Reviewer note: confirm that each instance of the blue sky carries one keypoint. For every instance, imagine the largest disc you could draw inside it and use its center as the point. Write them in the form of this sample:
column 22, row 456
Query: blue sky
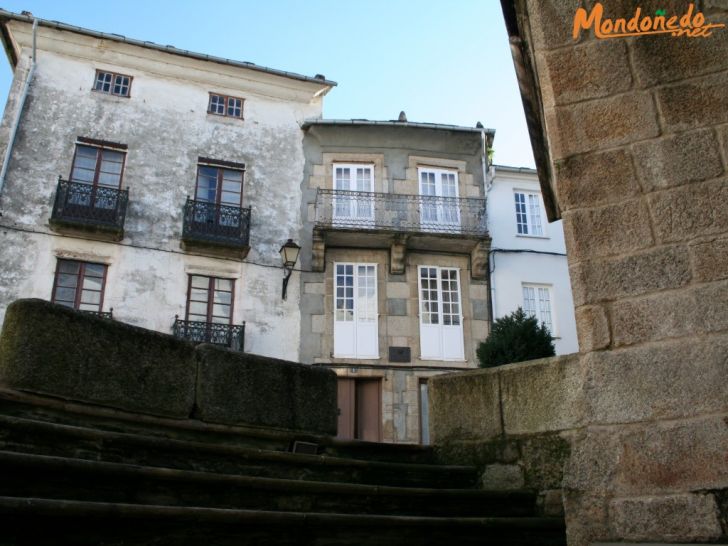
column 440, row 62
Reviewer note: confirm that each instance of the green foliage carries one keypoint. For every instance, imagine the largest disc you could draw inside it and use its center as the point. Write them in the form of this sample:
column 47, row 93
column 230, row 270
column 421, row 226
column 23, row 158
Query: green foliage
column 515, row 338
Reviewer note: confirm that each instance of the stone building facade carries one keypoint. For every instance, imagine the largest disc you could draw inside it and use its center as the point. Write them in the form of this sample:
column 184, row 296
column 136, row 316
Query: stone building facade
column 395, row 214
column 154, row 181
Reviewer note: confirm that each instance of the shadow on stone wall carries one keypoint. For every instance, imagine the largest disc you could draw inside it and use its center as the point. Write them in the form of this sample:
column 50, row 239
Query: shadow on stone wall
column 52, row 350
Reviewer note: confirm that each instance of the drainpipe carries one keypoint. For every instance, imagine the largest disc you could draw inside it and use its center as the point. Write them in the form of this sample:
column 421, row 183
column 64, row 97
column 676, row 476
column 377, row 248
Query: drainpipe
column 19, row 112
column 487, row 185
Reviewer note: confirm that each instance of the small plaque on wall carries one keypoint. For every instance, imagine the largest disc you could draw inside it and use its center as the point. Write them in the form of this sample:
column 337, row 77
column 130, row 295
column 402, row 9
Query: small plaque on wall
column 400, row 354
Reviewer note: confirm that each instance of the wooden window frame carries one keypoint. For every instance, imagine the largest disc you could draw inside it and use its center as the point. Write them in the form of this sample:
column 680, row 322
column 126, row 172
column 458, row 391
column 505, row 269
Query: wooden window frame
column 220, row 165
column 227, row 99
column 210, row 296
column 79, row 282
column 99, row 145
column 114, row 75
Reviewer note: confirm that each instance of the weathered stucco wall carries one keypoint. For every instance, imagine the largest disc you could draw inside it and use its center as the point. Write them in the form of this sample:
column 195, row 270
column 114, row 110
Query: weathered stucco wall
column 166, row 128
column 637, row 133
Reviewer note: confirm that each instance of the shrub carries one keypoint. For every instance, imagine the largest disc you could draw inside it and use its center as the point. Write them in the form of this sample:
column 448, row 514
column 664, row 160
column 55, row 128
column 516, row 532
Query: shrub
column 515, row 338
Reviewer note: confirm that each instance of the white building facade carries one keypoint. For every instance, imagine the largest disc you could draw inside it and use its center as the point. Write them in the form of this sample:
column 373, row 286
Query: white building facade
column 528, row 256
column 155, row 182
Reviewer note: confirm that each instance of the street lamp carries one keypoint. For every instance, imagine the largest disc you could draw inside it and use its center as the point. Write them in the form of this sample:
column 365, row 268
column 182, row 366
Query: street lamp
column 289, row 254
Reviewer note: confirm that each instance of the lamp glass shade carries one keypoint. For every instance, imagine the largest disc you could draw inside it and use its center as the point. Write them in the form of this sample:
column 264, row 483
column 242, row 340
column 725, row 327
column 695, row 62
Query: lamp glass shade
column 289, row 253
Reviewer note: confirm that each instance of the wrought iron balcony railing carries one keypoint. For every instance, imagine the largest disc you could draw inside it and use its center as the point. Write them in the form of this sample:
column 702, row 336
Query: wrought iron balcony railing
column 217, row 224
column 354, row 210
column 232, row 336
column 101, row 314
column 89, row 205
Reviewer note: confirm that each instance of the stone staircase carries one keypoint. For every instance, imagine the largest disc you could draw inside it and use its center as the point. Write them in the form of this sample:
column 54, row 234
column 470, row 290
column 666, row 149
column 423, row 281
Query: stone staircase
column 85, row 475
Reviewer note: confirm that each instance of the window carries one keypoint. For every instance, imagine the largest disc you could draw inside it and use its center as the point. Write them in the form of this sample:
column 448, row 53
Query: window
column 441, row 329
column 528, row 213
column 79, row 285
column 219, row 182
column 98, row 163
column 112, row 84
column 355, row 311
column 439, row 188
column 350, row 206
column 210, row 299
column 222, row 105
column 537, row 303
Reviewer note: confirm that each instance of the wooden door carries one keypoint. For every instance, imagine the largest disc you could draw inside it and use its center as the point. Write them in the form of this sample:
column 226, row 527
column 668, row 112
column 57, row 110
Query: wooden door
column 360, row 409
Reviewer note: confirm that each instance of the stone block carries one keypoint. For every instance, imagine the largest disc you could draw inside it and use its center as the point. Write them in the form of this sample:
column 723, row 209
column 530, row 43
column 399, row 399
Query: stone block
column 312, row 304
column 676, row 160
column 398, row 290
column 658, row 458
column 397, row 307
column 476, row 390
column 480, row 309
column 313, row 288
column 543, row 457
column 50, row 349
column 541, row 396
column 686, row 517
column 552, row 21
column 478, row 291
column 612, row 229
column 674, row 379
column 694, row 103
column 710, row 260
column 236, row 388
column 690, row 211
column 552, row 503
column 502, row 477
column 318, row 324
column 573, row 74
column 601, row 123
column 688, row 312
column 612, row 279
column 658, row 61
column 595, row 179
column 592, row 327
column 399, row 326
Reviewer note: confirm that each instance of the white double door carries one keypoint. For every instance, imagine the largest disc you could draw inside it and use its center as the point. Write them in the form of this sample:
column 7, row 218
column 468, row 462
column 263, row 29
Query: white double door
column 356, row 333
column 441, row 320
column 439, row 188
column 354, row 201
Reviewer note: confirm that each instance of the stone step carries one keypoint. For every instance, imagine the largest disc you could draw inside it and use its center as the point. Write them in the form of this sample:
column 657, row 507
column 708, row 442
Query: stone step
column 46, row 522
column 42, row 476
column 21, row 434
column 43, row 408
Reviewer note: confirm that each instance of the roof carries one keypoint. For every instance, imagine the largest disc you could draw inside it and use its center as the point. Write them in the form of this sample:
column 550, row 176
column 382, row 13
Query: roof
column 6, row 16
column 508, row 169
column 365, row 122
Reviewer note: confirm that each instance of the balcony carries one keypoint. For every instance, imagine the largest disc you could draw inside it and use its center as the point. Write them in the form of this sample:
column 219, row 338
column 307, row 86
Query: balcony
column 226, row 335
column 91, row 209
column 400, row 223
column 216, row 229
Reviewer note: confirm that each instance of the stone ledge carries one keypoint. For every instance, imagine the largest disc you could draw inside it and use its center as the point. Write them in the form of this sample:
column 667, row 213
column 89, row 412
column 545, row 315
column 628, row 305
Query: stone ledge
column 52, row 350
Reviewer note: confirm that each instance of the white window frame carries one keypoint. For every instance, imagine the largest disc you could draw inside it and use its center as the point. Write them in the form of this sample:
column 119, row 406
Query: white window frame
column 359, row 322
column 440, row 214
column 538, row 311
column 529, row 214
column 353, row 209
column 439, row 329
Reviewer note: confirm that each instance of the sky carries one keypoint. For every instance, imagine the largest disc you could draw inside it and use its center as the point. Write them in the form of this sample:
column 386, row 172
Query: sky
column 440, row 62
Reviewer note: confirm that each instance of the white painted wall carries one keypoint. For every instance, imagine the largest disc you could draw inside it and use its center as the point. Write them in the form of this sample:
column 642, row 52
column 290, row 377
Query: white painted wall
column 512, row 267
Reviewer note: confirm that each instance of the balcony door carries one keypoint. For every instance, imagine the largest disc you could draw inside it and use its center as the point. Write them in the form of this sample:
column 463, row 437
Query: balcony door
column 218, row 196
column 441, row 321
column 439, row 189
column 356, row 333
column 354, row 199
column 95, row 179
